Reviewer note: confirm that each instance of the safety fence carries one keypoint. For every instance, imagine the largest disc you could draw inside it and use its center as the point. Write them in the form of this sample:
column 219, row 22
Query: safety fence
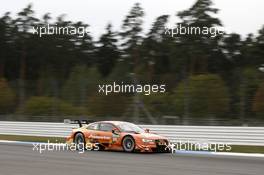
column 201, row 134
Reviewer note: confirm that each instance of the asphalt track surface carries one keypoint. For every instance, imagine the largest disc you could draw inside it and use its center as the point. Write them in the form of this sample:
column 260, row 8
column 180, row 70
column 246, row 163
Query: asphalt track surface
column 22, row 160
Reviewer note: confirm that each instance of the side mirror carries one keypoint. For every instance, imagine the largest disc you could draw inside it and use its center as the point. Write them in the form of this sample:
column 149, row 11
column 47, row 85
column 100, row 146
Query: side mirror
column 115, row 131
column 147, row 130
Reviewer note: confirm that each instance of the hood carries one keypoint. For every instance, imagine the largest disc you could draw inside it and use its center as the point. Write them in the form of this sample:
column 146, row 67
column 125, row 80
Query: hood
column 151, row 136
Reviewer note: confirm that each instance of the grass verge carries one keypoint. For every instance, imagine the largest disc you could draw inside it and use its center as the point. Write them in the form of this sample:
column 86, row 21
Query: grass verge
column 247, row 149
column 32, row 138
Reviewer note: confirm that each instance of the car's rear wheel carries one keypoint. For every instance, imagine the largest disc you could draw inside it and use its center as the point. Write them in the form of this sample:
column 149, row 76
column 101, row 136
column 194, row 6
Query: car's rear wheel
column 79, row 141
column 128, row 144
column 101, row 147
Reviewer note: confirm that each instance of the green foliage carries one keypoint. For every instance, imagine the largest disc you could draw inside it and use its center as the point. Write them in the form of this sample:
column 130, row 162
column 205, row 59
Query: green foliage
column 7, row 97
column 131, row 36
column 83, row 82
column 120, row 72
column 203, row 95
column 48, row 106
column 107, row 52
column 159, row 104
column 259, row 101
column 249, row 83
column 156, row 47
column 201, row 14
column 112, row 105
column 132, row 26
column 201, row 51
column 71, row 67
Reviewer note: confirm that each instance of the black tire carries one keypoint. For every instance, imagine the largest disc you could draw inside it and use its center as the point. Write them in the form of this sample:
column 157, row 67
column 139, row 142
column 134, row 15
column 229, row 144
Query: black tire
column 79, row 140
column 128, row 144
column 101, row 147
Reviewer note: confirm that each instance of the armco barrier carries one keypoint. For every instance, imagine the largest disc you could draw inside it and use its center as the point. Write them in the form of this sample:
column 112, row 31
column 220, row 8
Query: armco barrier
column 201, row 134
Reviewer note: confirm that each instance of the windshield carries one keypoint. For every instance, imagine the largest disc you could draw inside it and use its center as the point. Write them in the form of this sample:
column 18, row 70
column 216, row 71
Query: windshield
column 130, row 127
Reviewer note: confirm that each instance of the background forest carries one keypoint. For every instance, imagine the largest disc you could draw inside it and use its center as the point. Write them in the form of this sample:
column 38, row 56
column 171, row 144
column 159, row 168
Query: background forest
column 209, row 81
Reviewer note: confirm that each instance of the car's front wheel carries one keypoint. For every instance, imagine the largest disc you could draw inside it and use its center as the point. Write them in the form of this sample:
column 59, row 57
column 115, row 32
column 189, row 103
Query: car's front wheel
column 128, row 144
column 79, row 141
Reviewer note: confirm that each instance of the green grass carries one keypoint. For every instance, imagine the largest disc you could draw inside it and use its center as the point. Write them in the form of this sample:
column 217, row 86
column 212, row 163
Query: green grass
column 32, row 138
column 235, row 148
column 247, row 149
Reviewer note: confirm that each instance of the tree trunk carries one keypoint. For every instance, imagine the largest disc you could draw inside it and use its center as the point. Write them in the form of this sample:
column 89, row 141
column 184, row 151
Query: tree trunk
column 22, row 78
column 2, row 69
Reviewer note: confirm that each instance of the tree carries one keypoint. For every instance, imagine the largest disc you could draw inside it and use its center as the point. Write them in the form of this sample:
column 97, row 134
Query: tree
column 112, row 105
column 7, row 97
column 48, row 106
column 131, row 34
column 156, row 48
column 84, row 48
column 249, row 83
column 82, row 83
column 5, row 37
column 232, row 47
column 249, row 52
column 24, row 23
column 107, row 52
column 199, row 14
column 201, row 49
column 160, row 104
column 207, row 97
column 260, row 46
column 258, row 106
column 71, row 67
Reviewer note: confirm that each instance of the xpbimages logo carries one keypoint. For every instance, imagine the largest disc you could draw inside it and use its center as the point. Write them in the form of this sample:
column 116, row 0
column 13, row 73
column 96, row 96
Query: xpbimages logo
column 146, row 89
column 193, row 30
column 48, row 29
column 178, row 145
column 49, row 146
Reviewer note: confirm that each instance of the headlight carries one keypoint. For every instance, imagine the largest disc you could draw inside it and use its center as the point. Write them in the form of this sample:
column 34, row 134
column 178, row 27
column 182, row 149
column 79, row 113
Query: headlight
column 147, row 140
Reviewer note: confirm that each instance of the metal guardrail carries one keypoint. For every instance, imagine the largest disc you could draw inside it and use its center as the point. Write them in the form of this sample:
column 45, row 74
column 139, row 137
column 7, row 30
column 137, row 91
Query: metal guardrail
column 200, row 134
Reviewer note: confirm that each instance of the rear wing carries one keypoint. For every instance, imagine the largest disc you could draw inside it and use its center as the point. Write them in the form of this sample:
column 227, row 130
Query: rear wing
column 79, row 122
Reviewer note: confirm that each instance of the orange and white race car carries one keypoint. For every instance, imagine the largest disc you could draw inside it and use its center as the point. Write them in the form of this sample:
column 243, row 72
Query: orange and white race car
column 117, row 135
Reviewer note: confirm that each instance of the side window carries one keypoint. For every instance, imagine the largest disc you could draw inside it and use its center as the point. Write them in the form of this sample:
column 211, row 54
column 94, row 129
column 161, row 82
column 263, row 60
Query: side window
column 106, row 127
column 94, row 126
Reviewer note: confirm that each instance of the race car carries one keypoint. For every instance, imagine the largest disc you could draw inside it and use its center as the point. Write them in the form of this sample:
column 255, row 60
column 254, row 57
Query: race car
column 117, row 135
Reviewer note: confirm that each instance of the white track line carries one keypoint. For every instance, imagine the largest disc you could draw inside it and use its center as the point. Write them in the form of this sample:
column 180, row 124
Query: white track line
column 221, row 153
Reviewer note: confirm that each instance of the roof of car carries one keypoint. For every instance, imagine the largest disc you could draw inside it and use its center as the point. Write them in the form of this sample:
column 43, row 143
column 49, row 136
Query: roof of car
column 112, row 122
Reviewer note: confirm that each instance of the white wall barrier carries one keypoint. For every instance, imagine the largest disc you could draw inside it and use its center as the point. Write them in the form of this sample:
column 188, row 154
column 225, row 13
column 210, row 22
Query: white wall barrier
column 201, row 134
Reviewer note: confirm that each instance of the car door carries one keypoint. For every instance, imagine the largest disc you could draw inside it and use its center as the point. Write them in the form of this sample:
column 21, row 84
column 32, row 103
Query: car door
column 105, row 133
column 92, row 132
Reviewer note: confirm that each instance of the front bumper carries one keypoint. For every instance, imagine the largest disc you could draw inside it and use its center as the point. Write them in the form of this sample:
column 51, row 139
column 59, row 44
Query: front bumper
column 157, row 146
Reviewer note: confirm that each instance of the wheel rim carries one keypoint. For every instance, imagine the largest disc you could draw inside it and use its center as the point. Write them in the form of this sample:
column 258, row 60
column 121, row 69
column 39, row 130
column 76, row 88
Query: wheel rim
column 128, row 144
column 79, row 140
